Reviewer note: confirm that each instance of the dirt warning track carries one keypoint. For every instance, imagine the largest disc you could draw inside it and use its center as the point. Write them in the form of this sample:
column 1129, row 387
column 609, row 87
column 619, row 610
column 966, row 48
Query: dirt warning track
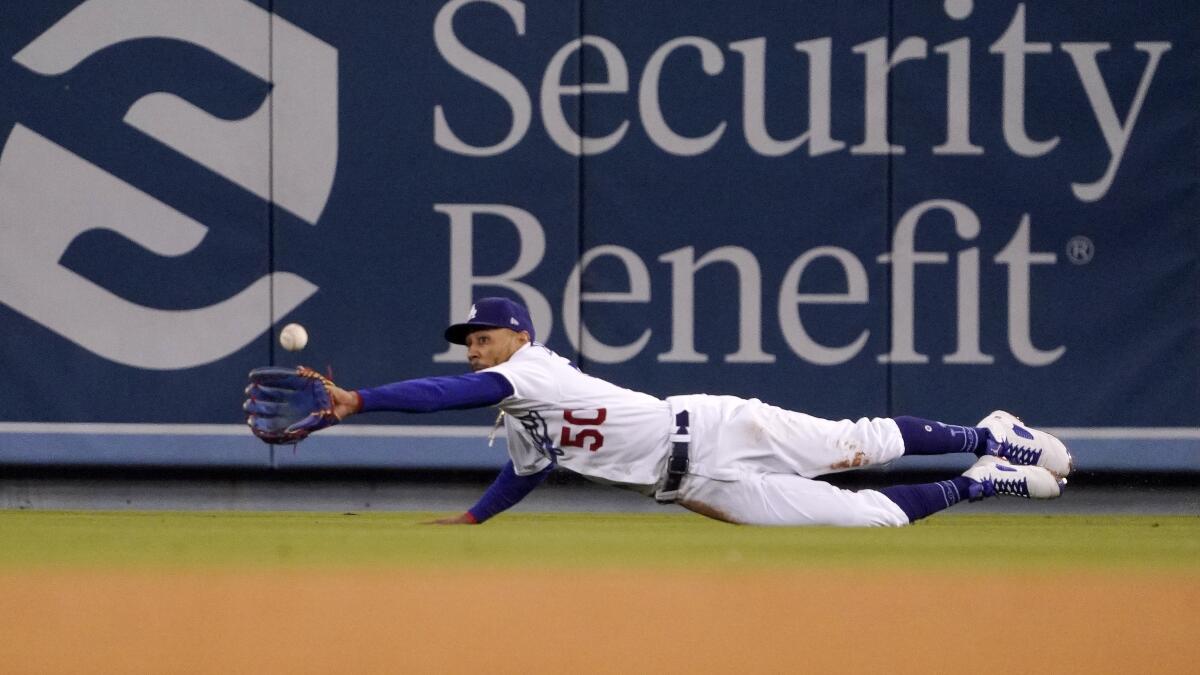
column 529, row 621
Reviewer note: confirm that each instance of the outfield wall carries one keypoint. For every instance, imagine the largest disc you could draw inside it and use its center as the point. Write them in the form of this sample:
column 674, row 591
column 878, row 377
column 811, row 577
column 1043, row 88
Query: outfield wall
column 868, row 208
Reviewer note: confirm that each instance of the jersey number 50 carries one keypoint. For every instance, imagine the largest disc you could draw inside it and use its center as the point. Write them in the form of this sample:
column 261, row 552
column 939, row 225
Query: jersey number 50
column 578, row 438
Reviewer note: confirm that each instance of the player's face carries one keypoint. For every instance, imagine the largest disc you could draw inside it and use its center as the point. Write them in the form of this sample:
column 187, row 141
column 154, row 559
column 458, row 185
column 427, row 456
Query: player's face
column 493, row 346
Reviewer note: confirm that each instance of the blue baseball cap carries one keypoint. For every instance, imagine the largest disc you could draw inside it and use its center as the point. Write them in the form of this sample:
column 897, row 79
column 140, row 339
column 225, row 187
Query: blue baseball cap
column 491, row 313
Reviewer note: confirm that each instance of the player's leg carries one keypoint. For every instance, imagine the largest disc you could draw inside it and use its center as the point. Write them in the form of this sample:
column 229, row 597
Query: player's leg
column 787, row 499
column 763, row 438
column 811, row 446
column 732, row 433
column 838, row 445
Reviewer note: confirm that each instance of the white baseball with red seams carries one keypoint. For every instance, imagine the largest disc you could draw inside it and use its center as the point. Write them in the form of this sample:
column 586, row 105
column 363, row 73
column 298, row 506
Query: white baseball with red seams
column 293, row 337
column 750, row 462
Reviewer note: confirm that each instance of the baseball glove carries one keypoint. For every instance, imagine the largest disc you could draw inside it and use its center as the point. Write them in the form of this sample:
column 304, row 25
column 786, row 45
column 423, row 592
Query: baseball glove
column 288, row 404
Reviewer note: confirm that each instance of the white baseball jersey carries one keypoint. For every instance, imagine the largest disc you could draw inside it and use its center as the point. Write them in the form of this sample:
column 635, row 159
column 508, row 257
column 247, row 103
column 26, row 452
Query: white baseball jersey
column 559, row 415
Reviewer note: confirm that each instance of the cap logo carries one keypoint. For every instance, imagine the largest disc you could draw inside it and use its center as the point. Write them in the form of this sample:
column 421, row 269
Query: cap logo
column 513, row 321
column 473, row 313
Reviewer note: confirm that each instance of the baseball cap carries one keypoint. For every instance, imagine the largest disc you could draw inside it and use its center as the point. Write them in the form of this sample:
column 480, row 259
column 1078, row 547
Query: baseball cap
column 491, row 313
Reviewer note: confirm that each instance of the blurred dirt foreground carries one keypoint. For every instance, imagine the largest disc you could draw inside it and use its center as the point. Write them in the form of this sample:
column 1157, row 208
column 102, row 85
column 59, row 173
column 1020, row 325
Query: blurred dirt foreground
column 653, row 621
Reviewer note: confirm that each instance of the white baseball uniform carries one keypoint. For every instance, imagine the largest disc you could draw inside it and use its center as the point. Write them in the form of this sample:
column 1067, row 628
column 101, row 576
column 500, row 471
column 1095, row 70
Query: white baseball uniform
column 750, row 462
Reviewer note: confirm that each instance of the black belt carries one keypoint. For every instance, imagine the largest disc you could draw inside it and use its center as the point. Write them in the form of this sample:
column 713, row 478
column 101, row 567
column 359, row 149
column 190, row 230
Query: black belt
column 677, row 462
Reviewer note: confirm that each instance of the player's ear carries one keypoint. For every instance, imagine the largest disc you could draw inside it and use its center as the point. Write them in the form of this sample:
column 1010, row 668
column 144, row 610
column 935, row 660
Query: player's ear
column 525, row 336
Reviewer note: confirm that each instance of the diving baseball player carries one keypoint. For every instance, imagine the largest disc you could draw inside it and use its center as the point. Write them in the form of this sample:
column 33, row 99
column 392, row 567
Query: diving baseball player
column 737, row 460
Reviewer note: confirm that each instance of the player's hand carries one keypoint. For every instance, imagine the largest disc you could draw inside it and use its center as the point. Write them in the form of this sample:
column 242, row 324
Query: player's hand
column 460, row 519
column 345, row 403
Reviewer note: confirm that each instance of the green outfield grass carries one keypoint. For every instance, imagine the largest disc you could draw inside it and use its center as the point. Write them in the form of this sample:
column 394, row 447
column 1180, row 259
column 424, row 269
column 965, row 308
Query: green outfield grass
column 43, row 538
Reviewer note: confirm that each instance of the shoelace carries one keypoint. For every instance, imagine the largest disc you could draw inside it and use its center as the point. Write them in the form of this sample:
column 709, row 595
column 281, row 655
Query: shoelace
column 1019, row 454
column 1018, row 487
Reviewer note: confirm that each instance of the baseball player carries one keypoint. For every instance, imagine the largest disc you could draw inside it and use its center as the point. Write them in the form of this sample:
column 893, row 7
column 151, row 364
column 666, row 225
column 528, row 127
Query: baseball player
column 733, row 459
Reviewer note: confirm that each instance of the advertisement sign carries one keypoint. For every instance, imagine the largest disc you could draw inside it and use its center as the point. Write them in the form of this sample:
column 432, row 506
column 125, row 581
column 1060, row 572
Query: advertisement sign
column 862, row 209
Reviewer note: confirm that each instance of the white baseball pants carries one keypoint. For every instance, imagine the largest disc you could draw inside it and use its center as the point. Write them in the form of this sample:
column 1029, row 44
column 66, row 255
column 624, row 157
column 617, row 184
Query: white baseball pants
column 754, row 463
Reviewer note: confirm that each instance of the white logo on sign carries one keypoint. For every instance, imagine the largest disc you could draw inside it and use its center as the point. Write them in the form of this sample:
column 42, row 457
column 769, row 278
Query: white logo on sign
column 49, row 195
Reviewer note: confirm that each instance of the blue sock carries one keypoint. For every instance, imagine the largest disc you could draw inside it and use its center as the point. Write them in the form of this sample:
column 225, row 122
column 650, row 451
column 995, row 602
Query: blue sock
column 926, row 437
column 918, row 501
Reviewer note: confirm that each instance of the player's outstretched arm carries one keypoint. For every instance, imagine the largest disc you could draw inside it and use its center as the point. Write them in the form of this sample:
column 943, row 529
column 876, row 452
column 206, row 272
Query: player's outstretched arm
column 431, row 394
column 285, row 405
column 508, row 489
column 426, row 394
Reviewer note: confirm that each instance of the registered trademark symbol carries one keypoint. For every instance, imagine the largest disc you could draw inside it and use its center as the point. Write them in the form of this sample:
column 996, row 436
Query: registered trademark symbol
column 1080, row 250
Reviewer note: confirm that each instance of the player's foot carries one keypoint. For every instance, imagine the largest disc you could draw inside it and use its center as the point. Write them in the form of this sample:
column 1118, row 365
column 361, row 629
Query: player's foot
column 996, row 476
column 1021, row 445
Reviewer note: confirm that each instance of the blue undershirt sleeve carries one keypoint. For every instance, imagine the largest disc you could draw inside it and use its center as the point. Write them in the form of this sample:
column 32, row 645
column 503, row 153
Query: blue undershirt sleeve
column 430, row 394
column 505, row 491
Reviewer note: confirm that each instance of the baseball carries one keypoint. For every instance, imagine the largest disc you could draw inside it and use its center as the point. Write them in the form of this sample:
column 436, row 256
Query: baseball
column 293, row 337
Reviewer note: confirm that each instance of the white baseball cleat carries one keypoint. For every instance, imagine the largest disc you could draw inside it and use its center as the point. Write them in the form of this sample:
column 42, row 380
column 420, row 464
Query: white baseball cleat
column 1021, row 445
column 997, row 477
